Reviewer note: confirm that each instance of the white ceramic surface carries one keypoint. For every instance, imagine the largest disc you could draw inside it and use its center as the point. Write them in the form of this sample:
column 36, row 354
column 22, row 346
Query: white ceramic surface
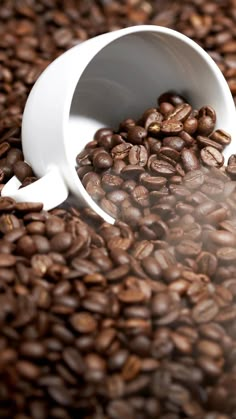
column 100, row 82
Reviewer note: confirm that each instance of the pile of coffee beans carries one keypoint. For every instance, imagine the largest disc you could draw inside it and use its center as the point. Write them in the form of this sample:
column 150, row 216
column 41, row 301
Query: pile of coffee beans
column 149, row 164
column 135, row 320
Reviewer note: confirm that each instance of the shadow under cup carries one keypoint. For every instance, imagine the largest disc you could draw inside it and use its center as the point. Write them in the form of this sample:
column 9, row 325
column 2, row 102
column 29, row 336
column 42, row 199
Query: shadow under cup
column 128, row 75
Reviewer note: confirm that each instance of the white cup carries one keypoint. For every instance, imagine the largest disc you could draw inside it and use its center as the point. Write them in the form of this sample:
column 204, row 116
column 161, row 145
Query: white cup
column 98, row 83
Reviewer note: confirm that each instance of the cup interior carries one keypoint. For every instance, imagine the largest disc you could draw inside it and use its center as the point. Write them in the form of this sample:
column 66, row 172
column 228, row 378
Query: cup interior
column 128, row 75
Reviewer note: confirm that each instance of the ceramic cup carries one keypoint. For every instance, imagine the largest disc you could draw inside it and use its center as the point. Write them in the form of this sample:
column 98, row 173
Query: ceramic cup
column 98, row 83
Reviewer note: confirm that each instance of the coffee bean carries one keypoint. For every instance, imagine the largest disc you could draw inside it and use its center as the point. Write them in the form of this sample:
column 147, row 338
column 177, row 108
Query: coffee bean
column 4, row 147
column 54, row 225
column 205, row 311
column 121, row 151
column 154, row 129
column 226, row 254
column 209, row 348
column 162, row 168
column 126, row 124
column 165, row 107
column 138, row 155
column 189, row 159
column 181, row 112
column 207, row 111
column 28, row 370
column 140, row 196
column 83, row 322
column 14, row 155
column 60, row 395
column 33, row 349
column 111, row 182
column 222, row 238
column 136, row 135
column 171, row 127
column 188, row 248
column 209, row 366
column 102, row 160
column 171, row 97
column 131, row 368
column 221, row 137
column 132, row 171
column 206, row 141
column 22, row 170
column 118, row 408
column 190, row 125
column 212, row 157
column 131, row 296
column 101, row 133
column 176, row 143
column 168, row 152
column 28, row 206
column 194, row 179
column 73, row 360
column 207, row 263
column 7, row 260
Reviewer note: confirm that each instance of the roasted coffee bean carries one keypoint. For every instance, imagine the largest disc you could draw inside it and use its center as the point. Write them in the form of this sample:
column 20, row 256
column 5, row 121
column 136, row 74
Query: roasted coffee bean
column 176, row 143
column 22, row 170
column 194, row 179
column 226, row 254
column 54, row 225
column 171, row 97
column 206, row 141
column 212, row 157
column 138, row 155
column 140, row 196
column 153, row 182
column 162, row 168
column 168, row 152
column 28, row 370
column 136, row 135
column 222, row 238
column 165, row 107
column 190, row 125
column 151, row 116
column 117, row 196
column 205, row 311
column 154, row 129
column 189, row 159
column 231, row 170
column 102, row 160
column 111, row 182
column 121, row 151
column 61, row 242
column 171, row 127
column 206, row 121
column 132, row 171
column 83, row 322
column 221, row 137
column 188, row 248
column 14, row 155
column 101, row 133
column 207, row 263
column 181, row 112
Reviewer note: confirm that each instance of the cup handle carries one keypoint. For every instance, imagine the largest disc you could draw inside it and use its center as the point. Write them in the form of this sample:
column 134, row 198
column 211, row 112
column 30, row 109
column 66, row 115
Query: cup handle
column 50, row 189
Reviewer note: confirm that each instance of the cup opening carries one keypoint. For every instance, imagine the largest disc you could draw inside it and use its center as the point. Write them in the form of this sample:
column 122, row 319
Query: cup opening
column 127, row 76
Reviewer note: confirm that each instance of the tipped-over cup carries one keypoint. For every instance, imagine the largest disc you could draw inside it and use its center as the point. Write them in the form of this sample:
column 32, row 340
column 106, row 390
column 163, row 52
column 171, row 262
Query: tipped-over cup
column 98, row 83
